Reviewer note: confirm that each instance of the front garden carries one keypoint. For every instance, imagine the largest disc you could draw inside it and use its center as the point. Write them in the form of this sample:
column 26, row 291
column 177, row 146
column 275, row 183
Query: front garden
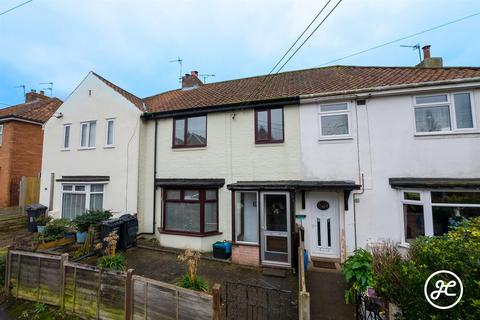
column 388, row 277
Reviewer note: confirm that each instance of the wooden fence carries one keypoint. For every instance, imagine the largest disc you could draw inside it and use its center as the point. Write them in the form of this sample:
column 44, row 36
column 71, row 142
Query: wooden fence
column 94, row 293
column 303, row 295
column 13, row 226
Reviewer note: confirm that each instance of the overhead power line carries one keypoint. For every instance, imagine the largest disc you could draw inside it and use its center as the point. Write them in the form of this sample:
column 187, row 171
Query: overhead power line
column 16, row 7
column 300, row 36
column 402, row 38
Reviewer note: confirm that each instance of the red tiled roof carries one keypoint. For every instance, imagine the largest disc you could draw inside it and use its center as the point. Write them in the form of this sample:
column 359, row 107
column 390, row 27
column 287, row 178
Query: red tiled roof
column 39, row 110
column 326, row 80
column 127, row 95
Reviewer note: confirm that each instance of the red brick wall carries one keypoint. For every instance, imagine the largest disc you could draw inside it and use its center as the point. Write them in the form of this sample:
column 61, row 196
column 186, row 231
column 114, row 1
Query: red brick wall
column 20, row 155
column 247, row 255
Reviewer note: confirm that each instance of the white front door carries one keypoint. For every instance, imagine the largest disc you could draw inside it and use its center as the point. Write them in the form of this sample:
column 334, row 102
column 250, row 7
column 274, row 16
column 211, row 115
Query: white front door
column 324, row 224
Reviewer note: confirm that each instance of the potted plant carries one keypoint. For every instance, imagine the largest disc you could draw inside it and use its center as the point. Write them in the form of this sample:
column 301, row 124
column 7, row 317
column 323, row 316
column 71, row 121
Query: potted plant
column 54, row 230
column 42, row 222
column 84, row 221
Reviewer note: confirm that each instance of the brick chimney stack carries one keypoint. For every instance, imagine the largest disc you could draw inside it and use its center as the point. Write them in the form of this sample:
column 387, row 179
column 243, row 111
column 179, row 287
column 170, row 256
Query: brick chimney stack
column 191, row 81
column 428, row 61
column 33, row 96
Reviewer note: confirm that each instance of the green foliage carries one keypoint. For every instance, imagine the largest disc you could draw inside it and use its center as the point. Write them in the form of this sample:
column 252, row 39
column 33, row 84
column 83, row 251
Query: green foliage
column 112, row 262
column 358, row 272
column 82, row 222
column 198, row 284
column 55, row 230
column 402, row 280
column 43, row 220
column 3, row 263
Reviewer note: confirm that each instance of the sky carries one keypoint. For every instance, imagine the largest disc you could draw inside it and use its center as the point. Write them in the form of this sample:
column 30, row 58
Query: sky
column 131, row 43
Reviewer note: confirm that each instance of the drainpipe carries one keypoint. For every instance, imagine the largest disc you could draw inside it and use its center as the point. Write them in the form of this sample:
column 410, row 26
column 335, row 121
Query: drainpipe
column 355, row 211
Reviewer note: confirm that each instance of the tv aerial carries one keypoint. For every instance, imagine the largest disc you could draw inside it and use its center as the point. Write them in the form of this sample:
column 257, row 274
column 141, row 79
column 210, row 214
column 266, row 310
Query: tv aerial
column 50, row 88
column 206, row 76
column 414, row 47
column 180, row 65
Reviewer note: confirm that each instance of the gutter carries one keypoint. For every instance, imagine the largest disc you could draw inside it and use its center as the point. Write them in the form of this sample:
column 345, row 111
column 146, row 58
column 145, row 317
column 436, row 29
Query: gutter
column 15, row 118
column 222, row 108
column 385, row 91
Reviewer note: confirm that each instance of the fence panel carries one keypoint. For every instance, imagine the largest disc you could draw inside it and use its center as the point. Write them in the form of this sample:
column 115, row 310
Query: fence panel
column 157, row 300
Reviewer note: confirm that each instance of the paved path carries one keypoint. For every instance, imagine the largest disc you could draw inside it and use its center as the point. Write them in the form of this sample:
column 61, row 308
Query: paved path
column 327, row 302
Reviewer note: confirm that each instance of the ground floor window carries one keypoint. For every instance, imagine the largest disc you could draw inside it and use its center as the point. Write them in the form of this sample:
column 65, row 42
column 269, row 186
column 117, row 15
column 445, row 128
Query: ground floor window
column 246, row 217
column 190, row 211
column 434, row 212
column 78, row 198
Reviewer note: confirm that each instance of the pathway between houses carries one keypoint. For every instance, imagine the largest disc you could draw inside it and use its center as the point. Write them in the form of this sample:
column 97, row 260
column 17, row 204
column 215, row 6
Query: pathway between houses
column 326, row 290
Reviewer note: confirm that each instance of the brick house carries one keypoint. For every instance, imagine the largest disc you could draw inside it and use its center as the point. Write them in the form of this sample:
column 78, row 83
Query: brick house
column 21, row 141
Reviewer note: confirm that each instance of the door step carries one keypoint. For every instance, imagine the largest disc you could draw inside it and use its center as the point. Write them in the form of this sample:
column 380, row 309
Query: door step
column 274, row 272
column 324, row 264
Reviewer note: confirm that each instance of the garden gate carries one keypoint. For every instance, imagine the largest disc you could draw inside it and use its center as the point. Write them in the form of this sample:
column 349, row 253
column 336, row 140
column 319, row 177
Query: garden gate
column 254, row 302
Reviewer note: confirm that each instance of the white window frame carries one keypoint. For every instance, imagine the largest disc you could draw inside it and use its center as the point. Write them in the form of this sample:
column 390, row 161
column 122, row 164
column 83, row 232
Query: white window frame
column 321, row 113
column 69, row 125
column 257, row 243
column 426, row 202
column 87, row 193
column 110, row 145
column 451, row 108
column 1, row 134
column 88, row 123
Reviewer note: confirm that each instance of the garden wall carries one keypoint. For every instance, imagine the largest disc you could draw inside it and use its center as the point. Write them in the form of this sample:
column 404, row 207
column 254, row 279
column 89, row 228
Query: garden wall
column 90, row 292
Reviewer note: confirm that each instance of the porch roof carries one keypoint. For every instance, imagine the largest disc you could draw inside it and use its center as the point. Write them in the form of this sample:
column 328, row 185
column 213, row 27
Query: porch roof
column 294, row 185
column 84, row 179
column 190, row 183
column 434, row 183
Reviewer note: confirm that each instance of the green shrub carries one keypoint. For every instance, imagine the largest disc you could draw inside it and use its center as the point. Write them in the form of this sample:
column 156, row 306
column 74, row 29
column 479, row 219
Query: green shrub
column 55, row 230
column 43, row 220
column 402, row 280
column 358, row 272
column 82, row 222
column 112, row 262
column 3, row 263
column 199, row 284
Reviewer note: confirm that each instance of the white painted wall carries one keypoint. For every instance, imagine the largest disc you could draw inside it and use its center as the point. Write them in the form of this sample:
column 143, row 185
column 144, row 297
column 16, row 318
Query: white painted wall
column 384, row 146
column 121, row 163
column 231, row 154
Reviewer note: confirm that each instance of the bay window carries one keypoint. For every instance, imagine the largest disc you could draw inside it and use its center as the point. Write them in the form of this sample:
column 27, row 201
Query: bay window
column 78, row 198
column 443, row 113
column 190, row 132
column 190, row 211
column 433, row 213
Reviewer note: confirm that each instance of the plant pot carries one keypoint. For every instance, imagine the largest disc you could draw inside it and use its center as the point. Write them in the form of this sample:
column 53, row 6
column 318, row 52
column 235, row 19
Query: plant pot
column 81, row 237
column 40, row 229
column 69, row 234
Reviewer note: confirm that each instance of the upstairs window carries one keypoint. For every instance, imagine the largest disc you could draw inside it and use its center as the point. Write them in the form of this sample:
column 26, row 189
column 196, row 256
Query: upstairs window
column 66, row 137
column 334, row 120
column 443, row 113
column 110, row 133
column 190, row 132
column 269, row 126
column 1, row 134
column 87, row 134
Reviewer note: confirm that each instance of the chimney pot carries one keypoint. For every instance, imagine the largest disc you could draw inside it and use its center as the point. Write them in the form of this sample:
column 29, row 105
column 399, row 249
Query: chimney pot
column 42, row 92
column 426, row 52
column 191, row 81
column 194, row 73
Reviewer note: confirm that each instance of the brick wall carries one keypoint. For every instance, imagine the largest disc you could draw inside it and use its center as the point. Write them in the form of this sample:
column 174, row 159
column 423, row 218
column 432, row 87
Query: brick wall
column 20, row 155
column 247, row 255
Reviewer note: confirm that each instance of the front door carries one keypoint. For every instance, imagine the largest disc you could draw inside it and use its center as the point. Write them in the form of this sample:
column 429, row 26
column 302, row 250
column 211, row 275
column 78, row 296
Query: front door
column 275, row 228
column 324, row 224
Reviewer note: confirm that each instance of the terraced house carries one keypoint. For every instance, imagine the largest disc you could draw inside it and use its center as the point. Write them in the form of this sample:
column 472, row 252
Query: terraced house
column 21, row 142
column 355, row 155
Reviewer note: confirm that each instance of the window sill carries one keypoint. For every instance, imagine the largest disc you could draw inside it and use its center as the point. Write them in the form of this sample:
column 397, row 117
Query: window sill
column 189, row 148
column 335, row 138
column 186, row 234
column 109, row 147
column 446, row 133
column 63, row 150
column 248, row 244
column 88, row 148
column 269, row 144
column 405, row 245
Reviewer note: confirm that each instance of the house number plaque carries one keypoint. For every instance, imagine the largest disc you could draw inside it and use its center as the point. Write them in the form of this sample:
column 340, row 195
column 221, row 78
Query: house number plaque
column 323, row 205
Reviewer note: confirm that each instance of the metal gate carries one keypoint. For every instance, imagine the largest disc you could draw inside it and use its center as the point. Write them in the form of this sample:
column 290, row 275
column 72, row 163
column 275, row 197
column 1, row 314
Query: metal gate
column 254, row 302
